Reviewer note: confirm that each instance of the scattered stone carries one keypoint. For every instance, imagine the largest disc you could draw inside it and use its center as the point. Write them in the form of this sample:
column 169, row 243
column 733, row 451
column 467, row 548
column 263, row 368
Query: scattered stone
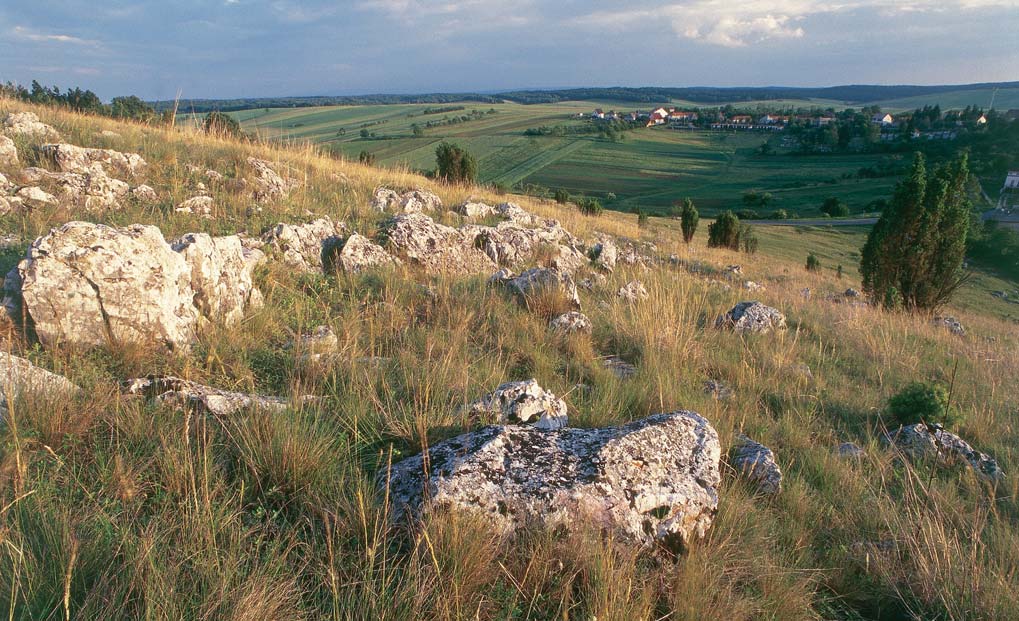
column 511, row 243
column 321, row 343
column 20, row 378
column 757, row 463
column 619, row 367
column 571, row 323
column 999, row 294
column 921, row 441
column 221, row 275
column 360, row 253
column 201, row 205
column 851, row 293
column 718, row 390
column 268, row 184
column 184, row 394
column 384, row 198
column 71, row 158
column 523, row 403
column 752, row 317
column 8, row 152
column 112, row 135
column 214, row 176
column 851, row 450
column 36, row 197
column 952, row 324
column 734, row 270
column 27, row 124
column 653, row 481
column 501, row 277
column 517, row 214
column 475, row 210
column 805, row 292
column 633, row 291
column 93, row 189
column 145, row 194
column 605, row 254
column 307, row 247
column 543, row 280
column 436, row 248
column 752, row 286
column 592, row 282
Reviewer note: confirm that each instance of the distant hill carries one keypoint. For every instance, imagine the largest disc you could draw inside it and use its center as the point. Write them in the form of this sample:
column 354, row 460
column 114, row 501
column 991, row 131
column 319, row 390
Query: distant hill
column 895, row 96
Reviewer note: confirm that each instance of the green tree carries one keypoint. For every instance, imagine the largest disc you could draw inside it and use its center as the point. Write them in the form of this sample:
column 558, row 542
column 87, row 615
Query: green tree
column 221, row 124
column 589, row 206
column 813, row 263
column 913, row 255
column 455, row 165
column 834, row 207
column 688, row 219
column 131, row 107
column 724, row 232
column 416, row 130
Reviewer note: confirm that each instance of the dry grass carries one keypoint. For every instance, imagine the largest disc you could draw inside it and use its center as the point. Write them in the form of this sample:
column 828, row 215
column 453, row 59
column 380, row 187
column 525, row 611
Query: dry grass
column 110, row 508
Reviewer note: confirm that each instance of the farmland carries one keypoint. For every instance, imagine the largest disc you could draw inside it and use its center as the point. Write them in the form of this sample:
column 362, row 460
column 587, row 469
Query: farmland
column 647, row 169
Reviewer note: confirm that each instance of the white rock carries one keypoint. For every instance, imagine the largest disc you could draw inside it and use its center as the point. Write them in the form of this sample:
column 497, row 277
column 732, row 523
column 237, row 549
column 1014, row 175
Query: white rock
column 920, row 441
column 307, row 247
column 36, row 197
column 221, row 275
column 633, row 291
column 71, row 158
column 19, row 378
column 8, row 152
column 523, row 402
column 571, row 322
column 757, row 463
column 360, row 253
column 539, row 281
column 268, row 184
column 752, row 317
column 145, row 194
column 201, row 205
column 185, row 394
column 27, row 124
column 436, row 248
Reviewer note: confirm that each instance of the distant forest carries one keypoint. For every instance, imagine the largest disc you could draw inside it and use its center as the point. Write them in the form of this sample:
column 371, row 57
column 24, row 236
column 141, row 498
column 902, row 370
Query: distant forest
column 853, row 94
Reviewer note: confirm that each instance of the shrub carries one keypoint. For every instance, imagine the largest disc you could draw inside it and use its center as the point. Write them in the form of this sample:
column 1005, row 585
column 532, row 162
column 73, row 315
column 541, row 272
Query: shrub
column 642, row 218
column 724, row 232
column 455, row 165
column 747, row 239
column 919, row 402
column 562, row 196
column 746, row 214
column 688, row 220
column 813, row 263
column 780, row 214
column 838, row 272
column 221, row 124
column 366, row 157
column 834, row 207
column 589, row 206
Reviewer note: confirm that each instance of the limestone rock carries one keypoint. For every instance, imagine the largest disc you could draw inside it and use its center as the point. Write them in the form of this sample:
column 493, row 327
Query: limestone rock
column 539, row 281
column 653, row 480
column 757, row 463
column 571, row 323
column 189, row 395
column 71, row 158
column 145, row 194
column 268, row 184
column 717, row 390
column 319, row 344
column 412, row 201
column 27, row 124
column 91, row 284
column 20, row 378
column 921, row 441
column 221, row 276
column 36, row 197
column 473, row 209
column 619, row 367
column 605, row 254
column 517, row 214
column 360, row 253
column 511, row 243
column 308, row 247
column 851, row 450
column 436, row 248
column 951, row 324
column 523, row 402
column 752, row 317
column 8, row 152
column 633, row 291
column 384, row 198
column 92, row 188
column 201, row 205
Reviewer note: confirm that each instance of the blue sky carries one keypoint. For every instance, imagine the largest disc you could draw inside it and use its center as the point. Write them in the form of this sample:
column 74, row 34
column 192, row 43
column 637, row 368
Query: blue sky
column 248, row 48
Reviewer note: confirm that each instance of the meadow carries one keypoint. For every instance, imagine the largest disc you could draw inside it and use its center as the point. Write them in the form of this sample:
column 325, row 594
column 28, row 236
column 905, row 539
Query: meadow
column 113, row 507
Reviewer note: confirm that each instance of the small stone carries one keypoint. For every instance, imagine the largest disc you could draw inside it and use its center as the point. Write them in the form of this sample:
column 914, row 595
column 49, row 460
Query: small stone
column 633, row 291
column 752, row 317
column 523, row 402
column 571, row 322
column 757, row 463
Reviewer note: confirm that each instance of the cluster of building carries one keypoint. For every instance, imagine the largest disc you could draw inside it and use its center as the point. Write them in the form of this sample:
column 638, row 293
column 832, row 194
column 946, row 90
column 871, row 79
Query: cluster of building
column 1006, row 212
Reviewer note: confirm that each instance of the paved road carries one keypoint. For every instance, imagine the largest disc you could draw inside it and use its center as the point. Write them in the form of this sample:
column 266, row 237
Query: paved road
column 825, row 222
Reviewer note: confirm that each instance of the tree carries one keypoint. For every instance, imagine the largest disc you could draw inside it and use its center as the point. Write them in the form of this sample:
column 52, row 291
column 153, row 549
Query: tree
column 416, row 130
column 688, row 218
column 834, row 207
column 813, row 263
column 131, row 107
column 589, row 206
column 913, row 255
column 364, row 133
column 221, row 124
column 562, row 196
column 455, row 165
column 724, row 232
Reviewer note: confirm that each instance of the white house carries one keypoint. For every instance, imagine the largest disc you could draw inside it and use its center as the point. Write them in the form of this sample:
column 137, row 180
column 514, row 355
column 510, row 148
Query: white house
column 883, row 119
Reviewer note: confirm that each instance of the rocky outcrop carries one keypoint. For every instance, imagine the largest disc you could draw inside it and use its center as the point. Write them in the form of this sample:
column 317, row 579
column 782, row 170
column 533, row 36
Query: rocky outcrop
column 145, row 194
column 413, row 201
column 475, row 210
column 523, row 403
column 221, row 275
column 180, row 393
column 92, row 188
column 36, row 197
column 653, row 480
column 752, row 317
column 922, row 441
column 436, row 248
column 360, row 253
column 71, row 158
column 19, row 379
column 91, row 284
column 510, row 244
column 756, row 463
column 604, row 254
column 633, row 291
column 27, row 124
column 541, row 281
column 268, row 184
column 572, row 322
column 307, row 247
column 8, row 152
column 200, row 205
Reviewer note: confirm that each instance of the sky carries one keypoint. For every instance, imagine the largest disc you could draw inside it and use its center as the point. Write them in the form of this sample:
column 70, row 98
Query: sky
column 266, row 48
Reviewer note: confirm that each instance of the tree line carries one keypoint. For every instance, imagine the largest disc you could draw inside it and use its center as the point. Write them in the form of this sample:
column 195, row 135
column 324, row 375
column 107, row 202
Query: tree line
column 128, row 107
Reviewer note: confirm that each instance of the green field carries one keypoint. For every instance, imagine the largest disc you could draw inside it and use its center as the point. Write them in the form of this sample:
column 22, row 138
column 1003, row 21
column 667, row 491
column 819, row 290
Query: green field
column 649, row 169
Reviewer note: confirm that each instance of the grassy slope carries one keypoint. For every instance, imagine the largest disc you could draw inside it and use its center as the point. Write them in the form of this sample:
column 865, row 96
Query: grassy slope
column 113, row 509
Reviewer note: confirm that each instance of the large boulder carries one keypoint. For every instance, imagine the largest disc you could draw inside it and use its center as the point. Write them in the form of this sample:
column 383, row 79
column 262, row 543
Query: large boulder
column 221, row 275
column 653, row 480
column 541, row 281
column 523, row 402
column 436, row 248
column 8, row 152
column 306, row 247
column 360, row 253
column 27, row 124
column 268, row 184
column 184, row 394
column 752, row 317
column 91, row 284
column 71, row 158
column 19, row 378
column 511, row 243
column 921, row 441
column 756, row 463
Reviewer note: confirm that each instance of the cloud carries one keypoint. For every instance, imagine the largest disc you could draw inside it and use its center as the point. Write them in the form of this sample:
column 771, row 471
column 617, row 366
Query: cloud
column 739, row 31
column 43, row 37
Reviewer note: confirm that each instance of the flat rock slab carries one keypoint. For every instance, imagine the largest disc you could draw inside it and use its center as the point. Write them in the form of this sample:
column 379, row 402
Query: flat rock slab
column 20, row 378
column 191, row 395
column 921, row 441
column 652, row 480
